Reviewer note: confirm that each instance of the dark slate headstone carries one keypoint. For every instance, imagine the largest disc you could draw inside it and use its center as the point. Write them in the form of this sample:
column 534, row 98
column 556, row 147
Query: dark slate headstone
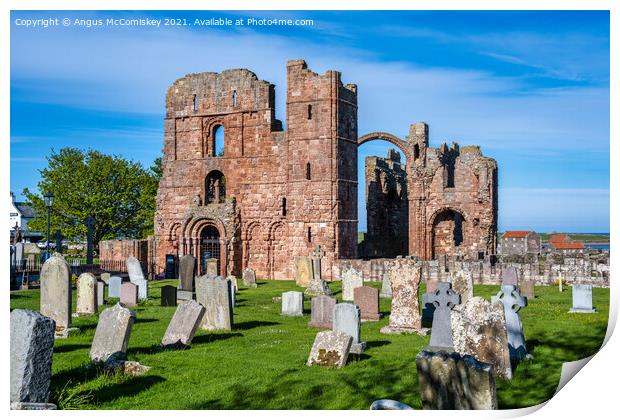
column 187, row 269
column 168, row 296
column 32, row 346
column 443, row 299
column 513, row 302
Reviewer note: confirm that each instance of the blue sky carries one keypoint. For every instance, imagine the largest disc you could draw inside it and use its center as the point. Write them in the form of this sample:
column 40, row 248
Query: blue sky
column 531, row 88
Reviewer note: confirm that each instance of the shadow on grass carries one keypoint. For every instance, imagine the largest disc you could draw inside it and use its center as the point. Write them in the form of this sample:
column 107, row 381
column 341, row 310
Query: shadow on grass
column 70, row 347
column 377, row 343
column 129, row 388
column 248, row 325
column 209, row 338
column 145, row 320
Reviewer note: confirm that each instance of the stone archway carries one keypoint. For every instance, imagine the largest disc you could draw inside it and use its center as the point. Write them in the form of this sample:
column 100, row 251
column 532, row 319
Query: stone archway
column 447, row 231
column 391, row 138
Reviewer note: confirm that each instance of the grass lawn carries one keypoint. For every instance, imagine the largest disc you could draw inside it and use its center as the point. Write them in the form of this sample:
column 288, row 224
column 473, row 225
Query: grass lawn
column 261, row 363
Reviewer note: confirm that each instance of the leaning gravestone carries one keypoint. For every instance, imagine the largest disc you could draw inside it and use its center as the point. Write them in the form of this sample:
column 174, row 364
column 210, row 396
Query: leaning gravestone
column 100, row 293
column 114, row 287
column 444, row 300
column 56, row 293
column 303, row 271
column 32, row 346
column 187, row 268
column 214, row 294
column 346, row 319
column 405, row 276
column 450, row 381
column 322, row 312
column 582, row 299
column 367, row 299
column 168, row 296
column 129, row 294
column 330, row 349
column 386, row 287
column 293, row 303
column 479, row 329
column 463, row 284
column 134, row 269
column 112, row 334
column 509, row 276
column 86, row 302
column 249, row 278
column 183, row 325
column 512, row 302
column 351, row 279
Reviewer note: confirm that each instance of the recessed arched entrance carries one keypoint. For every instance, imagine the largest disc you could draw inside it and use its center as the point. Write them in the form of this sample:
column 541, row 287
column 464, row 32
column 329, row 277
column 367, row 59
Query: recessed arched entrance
column 210, row 247
column 447, row 232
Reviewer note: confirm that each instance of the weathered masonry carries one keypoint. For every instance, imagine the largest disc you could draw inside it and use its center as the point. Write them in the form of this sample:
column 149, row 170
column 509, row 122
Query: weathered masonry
column 239, row 188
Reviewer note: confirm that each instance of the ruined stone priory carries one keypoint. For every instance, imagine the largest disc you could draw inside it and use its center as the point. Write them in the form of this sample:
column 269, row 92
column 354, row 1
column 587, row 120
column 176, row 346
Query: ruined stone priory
column 240, row 188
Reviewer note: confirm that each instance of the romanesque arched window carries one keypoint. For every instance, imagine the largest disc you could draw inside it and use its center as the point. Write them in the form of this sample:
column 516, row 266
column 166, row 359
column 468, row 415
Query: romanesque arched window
column 416, row 152
column 309, row 112
column 215, row 187
column 218, row 140
column 195, row 103
column 308, row 171
column 234, row 99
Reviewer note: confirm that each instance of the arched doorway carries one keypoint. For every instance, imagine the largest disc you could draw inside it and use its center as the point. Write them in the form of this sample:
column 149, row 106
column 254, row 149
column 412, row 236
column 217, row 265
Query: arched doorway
column 209, row 247
column 447, row 232
column 215, row 187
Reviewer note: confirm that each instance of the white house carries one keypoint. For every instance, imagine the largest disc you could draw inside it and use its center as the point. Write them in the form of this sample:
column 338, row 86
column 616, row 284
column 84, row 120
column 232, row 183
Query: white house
column 19, row 213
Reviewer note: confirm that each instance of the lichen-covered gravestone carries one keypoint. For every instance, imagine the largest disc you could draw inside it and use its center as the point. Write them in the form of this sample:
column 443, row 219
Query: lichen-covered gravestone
column 322, row 312
column 56, row 293
column 450, row 381
column 463, row 284
column 105, row 277
column 479, row 329
column 32, row 346
column 183, row 325
column 351, row 279
column 512, row 302
column 214, row 294
column 582, row 299
column 330, row 349
column 317, row 286
column 249, row 278
column 405, row 275
column 293, row 303
column 367, row 299
column 346, row 319
column 112, row 334
column 86, row 302
column 114, row 287
column 444, row 300
column 187, row 268
column 303, row 271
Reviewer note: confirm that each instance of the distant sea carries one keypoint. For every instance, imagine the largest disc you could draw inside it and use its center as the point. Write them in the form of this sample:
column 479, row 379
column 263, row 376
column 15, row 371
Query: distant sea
column 597, row 246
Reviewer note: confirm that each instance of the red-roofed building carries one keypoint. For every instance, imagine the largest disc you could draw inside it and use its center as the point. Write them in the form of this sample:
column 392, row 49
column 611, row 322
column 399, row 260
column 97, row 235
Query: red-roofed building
column 519, row 242
column 564, row 243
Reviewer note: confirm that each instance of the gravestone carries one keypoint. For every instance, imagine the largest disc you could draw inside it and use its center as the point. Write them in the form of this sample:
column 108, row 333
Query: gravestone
column 168, row 296
column 100, row 293
column 322, row 312
column 32, row 347
column 386, row 287
column 444, row 299
column 367, row 299
column 527, row 289
column 86, row 302
column 346, row 319
column 582, row 299
column 463, row 284
column 249, row 278
column 114, row 287
column 134, row 269
column 183, row 325
column 212, row 267
column 317, row 286
column 105, row 277
column 479, row 329
column 303, row 271
column 351, row 279
column 450, row 381
column 112, row 333
column 129, row 294
column 512, row 302
column 293, row 303
column 56, row 293
column 143, row 287
column 214, row 294
column 405, row 276
column 233, row 289
column 330, row 349
column 187, row 269
column 509, row 276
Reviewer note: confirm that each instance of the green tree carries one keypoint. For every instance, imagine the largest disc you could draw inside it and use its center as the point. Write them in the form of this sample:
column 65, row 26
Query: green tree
column 118, row 193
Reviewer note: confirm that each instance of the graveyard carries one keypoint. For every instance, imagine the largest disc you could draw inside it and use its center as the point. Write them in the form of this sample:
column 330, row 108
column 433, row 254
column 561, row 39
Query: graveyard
column 261, row 362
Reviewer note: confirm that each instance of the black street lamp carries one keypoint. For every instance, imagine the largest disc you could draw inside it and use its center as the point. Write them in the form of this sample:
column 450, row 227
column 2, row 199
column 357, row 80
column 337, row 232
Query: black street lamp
column 49, row 199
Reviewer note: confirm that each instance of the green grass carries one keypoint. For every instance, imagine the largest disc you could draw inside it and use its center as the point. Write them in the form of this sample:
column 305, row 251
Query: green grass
column 261, row 363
